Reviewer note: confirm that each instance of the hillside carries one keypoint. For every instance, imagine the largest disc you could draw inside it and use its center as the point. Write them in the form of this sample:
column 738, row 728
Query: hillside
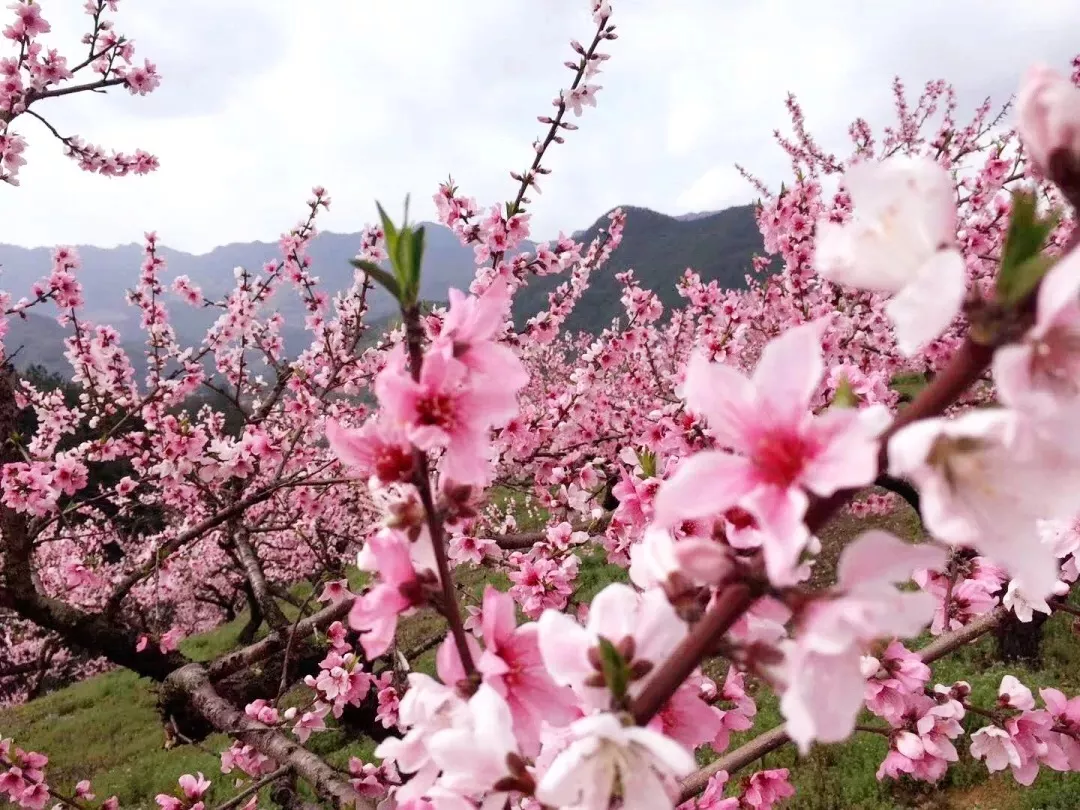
column 659, row 248
column 719, row 245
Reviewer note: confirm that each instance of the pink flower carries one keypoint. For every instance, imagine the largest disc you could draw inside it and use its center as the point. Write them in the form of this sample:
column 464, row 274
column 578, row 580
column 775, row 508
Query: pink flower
column 644, row 627
column 511, row 664
column 1021, row 604
column 891, row 678
column 823, row 664
column 194, row 787
column 1048, row 112
column 313, row 720
column 712, row 798
column 767, row 788
column 468, row 332
column 443, row 411
column 427, row 708
column 900, row 242
column 170, row 640
column 472, row 753
column 688, row 719
column 335, row 592
column 605, row 753
column 1040, row 375
column 785, row 449
column 374, row 614
column 377, row 449
column 994, row 745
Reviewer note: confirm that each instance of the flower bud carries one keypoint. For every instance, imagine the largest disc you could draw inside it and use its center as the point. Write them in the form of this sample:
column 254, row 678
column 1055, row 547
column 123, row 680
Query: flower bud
column 1048, row 107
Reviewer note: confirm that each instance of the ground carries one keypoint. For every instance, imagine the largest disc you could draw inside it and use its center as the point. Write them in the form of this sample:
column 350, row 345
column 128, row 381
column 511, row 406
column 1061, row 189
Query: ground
column 106, row 728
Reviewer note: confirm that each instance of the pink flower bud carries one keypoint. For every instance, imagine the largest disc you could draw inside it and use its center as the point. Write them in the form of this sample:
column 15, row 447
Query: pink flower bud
column 1048, row 106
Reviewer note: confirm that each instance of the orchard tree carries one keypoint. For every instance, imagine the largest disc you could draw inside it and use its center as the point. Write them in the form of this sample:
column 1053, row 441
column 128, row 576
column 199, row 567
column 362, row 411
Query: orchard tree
column 703, row 450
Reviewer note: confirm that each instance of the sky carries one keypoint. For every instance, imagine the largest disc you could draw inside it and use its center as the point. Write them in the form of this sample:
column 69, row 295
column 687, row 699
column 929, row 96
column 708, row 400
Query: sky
column 262, row 99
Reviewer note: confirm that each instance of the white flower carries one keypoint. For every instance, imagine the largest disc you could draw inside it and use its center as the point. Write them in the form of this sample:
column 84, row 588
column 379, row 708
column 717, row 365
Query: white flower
column 899, row 241
column 473, row 754
column 984, row 483
column 1022, row 605
column 995, row 746
column 605, row 753
column 1019, row 696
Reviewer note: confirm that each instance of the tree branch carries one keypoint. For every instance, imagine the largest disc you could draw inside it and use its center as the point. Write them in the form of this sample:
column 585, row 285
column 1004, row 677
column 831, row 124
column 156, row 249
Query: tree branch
column 192, row 681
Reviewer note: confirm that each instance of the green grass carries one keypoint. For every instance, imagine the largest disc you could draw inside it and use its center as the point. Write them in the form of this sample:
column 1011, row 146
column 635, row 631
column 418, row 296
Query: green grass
column 106, row 728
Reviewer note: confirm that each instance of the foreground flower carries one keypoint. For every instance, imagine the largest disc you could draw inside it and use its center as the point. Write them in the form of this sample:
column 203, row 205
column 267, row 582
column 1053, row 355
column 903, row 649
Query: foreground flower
column 1040, row 375
column 1048, row 107
column 823, row 665
column 984, row 484
column 377, row 449
column 374, row 615
column 512, row 665
column 469, row 330
column 473, row 753
column 785, row 449
column 608, row 759
column 644, row 628
column 900, row 242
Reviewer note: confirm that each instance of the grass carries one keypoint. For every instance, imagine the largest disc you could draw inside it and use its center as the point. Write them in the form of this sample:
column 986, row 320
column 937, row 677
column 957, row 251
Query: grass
column 107, row 729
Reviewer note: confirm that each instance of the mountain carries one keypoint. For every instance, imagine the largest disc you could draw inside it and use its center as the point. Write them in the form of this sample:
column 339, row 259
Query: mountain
column 659, row 248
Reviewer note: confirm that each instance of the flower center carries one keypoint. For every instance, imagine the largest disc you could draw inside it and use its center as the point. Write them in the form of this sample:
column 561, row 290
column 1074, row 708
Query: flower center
column 436, row 409
column 780, row 456
column 393, row 464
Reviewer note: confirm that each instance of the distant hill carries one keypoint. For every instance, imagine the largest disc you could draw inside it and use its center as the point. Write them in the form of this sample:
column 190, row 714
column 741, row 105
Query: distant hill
column 659, row 247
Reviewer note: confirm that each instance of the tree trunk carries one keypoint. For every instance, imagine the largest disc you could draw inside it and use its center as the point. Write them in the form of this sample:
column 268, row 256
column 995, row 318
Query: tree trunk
column 1021, row 641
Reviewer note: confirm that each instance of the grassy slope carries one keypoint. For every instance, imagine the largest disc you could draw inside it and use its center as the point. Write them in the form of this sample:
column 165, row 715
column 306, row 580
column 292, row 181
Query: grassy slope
column 106, row 727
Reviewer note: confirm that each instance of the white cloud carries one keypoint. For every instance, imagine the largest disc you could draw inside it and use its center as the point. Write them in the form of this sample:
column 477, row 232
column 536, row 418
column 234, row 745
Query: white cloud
column 262, row 99
column 720, row 187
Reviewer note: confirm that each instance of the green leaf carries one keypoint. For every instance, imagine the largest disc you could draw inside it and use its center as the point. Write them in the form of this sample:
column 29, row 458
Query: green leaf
column 1024, row 279
column 416, row 262
column 402, row 261
column 908, row 386
column 615, row 669
column 379, row 275
column 845, row 396
column 389, row 230
column 647, row 460
column 1024, row 240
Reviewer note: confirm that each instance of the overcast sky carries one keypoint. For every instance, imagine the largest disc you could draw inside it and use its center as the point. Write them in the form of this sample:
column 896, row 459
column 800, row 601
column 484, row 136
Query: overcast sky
column 262, row 99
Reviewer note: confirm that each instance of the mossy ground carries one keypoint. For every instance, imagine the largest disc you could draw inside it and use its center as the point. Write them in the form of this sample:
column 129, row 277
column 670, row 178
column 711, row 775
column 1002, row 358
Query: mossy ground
column 106, row 728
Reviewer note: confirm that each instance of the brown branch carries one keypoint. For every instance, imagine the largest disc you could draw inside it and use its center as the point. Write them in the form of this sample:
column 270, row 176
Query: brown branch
column 520, row 541
column 257, row 579
column 699, row 643
column 254, row 787
column 193, row 682
column 182, row 539
column 233, row 662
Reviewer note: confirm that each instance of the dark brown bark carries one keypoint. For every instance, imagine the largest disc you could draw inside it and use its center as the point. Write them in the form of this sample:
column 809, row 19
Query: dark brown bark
column 252, row 566
column 1021, row 641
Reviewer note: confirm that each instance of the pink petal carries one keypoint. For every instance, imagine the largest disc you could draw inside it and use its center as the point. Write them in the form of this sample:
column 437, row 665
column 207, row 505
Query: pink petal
column 704, row 484
column 788, row 373
column 878, row 556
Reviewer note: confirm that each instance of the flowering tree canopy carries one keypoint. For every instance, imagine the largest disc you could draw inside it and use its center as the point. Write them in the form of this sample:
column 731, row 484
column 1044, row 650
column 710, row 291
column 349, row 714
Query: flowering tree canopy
column 701, row 449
